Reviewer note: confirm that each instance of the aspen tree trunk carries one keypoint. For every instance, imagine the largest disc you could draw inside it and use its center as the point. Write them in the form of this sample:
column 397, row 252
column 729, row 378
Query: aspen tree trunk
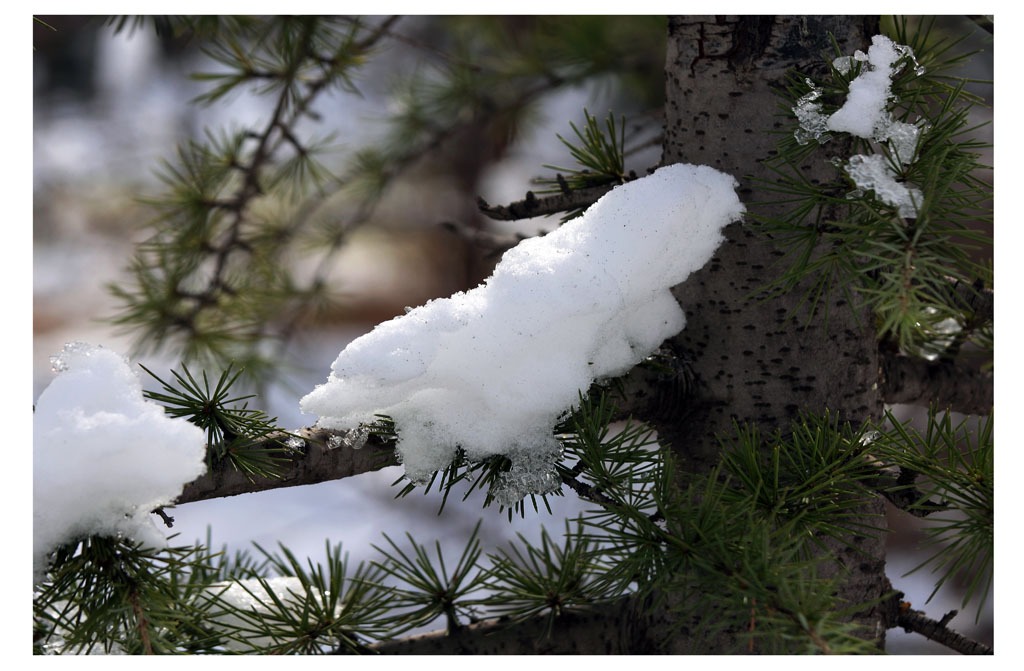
column 752, row 360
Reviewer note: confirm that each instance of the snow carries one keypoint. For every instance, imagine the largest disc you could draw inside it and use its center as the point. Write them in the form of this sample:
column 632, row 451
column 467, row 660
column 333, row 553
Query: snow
column 813, row 125
column 874, row 173
column 869, row 93
column 865, row 114
column 104, row 456
column 491, row 370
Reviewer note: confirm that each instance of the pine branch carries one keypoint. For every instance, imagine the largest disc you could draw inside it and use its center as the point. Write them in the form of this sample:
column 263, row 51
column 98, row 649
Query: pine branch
column 915, row 621
column 897, row 486
column 316, row 461
column 955, row 385
column 610, row 630
column 532, row 206
column 585, row 491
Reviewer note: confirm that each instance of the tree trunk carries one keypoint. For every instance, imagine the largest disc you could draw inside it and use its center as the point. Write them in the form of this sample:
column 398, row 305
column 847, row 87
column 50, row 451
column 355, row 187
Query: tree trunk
column 754, row 359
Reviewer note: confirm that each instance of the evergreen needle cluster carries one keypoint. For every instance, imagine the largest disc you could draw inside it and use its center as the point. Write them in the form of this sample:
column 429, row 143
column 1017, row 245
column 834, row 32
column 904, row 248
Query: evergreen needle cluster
column 838, row 236
column 244, row 437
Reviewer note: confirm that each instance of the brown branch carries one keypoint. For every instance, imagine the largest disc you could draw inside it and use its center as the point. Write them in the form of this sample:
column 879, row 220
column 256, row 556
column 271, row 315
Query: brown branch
column 974, row 299
column 587, row 492
column 317, row 461
column 141, row 622
column 955, row 385
column 896, row 484
column 609, row 631
column 532, row 206
column 915, row 621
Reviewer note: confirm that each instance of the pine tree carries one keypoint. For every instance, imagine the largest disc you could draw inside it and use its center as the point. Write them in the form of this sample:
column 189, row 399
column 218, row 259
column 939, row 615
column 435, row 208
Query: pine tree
column 736, row 477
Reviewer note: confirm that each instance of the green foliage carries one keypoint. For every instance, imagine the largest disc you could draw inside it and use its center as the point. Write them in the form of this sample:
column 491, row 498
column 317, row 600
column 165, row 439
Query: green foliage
column 547, row 579
column 245, row 438
column 600, row 154
column 215, row 281
column 751, row 532
column 109, row 595
column 243, row 209
column 953, row 463
column 428, row 591
column 332, row 609
column 841, row 238
column 815, row 477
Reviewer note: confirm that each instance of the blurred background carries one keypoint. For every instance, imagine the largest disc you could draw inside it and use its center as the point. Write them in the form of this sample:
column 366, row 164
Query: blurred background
column 110, row 106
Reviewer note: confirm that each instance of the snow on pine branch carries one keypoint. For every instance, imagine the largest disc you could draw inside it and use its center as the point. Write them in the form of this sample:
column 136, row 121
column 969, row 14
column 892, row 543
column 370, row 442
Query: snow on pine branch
column 490, row 370
column 103, row 455
column 865, row 114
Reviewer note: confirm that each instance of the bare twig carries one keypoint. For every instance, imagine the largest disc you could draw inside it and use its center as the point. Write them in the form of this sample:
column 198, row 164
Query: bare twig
column 915, row 621
column 532, row 206
column 167, row 519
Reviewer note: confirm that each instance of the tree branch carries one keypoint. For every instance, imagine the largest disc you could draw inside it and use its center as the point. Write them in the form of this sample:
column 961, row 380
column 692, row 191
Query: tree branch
column 317, row 461
column 915, row 621
column 607, row 631
column 532, row 206
column 897, row 486
column 955, row 385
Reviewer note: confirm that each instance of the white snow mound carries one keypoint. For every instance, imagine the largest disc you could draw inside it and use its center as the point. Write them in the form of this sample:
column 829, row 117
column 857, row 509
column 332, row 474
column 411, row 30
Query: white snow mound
column 490, row 370
column 104, row 456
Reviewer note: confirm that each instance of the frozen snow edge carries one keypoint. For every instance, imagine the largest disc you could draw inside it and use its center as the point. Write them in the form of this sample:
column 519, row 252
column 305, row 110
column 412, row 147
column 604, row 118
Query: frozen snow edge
column 490, row 370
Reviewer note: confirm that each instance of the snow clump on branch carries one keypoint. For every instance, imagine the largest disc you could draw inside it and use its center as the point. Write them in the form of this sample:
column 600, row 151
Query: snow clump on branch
column 865, row 114
column 492, row 369
column 104, row 456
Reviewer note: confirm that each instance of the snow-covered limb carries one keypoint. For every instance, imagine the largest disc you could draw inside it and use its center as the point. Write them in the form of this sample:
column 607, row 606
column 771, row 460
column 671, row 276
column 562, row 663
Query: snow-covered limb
column 491, row 370
column 104, row 456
